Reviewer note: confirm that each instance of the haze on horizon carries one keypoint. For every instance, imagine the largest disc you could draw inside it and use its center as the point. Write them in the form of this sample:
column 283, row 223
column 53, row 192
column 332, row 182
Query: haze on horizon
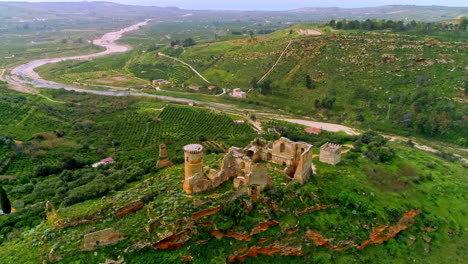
column 273, row 4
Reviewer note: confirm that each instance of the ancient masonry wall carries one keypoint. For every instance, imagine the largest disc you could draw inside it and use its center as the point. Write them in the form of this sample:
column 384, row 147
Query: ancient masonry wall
column 163, row 160
column 330, row 153
column 243, row 165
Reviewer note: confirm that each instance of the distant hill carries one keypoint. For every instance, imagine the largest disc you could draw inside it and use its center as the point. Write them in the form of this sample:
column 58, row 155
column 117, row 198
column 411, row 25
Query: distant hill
column 394, row 12
column 12, row 11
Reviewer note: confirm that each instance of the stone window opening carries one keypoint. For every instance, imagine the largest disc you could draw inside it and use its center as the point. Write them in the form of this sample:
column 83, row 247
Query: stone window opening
column 250, row 153
column 97, row 242
column 284, row 163
column 269, row 156
column 282, row 147
column 187, row 159
column 302, row 150
column 242, row 165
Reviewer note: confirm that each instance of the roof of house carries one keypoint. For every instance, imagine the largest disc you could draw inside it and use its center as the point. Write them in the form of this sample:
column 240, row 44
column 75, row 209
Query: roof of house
column 107, row 160
column 313, row 130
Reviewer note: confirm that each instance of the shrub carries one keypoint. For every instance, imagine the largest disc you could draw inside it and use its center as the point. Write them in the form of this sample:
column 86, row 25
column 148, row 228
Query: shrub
column 5, row 201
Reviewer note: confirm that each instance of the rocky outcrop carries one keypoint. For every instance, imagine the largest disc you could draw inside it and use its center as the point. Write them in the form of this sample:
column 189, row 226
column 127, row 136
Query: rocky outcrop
column 205, row 212
column 129, row 208
column 261, row 227
column 384, row 233
column 173, row 242
column 321, row 241
column 270, row 250
column 101, row 238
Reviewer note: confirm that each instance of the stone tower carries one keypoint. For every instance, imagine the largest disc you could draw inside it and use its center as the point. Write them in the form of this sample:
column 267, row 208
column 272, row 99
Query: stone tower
column 330, row 153
column 163, row 160
column 193, row 164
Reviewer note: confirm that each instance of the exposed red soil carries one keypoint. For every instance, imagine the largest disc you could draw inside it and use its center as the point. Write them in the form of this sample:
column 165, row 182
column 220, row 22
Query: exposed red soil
column 317, row 207
column 204, row 224
column 321, row 241
column 263, row 240
column 218, row 234
column 274, row 207
column 290, row 231
column 384, row 233
column 187, row 259
column 263, row 226
column 173, row 242
column 269, row 250
column 129, row 208
column 205, row 212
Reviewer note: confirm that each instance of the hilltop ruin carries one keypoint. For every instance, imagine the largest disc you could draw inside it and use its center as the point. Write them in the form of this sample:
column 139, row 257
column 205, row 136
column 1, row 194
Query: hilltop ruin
column 248, row 166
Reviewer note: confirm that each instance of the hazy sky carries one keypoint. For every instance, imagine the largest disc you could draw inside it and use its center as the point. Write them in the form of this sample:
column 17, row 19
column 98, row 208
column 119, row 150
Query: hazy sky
column 275, row 4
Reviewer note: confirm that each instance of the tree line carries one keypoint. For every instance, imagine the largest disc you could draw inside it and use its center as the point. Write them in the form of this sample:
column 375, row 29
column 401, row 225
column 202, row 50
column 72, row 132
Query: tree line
column 374, row 24
column 186, row 42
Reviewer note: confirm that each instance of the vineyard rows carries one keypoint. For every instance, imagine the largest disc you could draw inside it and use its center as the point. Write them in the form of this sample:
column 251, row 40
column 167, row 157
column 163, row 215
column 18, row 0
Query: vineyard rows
column 174, row 124
column 10, row 112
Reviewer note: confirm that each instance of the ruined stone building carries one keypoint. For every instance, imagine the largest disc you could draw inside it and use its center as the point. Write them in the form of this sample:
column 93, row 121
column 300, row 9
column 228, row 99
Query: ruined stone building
column 101, row 238
column 330, row 153
column 248, row 166
column 163, row 160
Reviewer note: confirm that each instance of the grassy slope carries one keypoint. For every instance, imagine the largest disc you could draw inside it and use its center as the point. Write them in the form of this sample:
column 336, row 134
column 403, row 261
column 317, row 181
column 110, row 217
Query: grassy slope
column 441, row 200
column 413, row 180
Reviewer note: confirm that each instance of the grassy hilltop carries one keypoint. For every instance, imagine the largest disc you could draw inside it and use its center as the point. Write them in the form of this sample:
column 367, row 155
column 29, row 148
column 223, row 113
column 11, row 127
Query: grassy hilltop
column 342, row 203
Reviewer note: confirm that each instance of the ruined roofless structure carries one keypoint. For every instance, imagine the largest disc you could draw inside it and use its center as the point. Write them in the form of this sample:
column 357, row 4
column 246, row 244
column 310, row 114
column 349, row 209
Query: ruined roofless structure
column 245, row 167
column 330, row 153
column 163, row 160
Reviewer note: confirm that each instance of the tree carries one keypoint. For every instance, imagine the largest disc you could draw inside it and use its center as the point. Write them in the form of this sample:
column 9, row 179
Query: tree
column 254, row 83
column 463, row 24
column 360, row 118
column 175, row 42
column 265, row 87
column 339, row 25
column 189, row 42
column 5, row 202
column 309, row 83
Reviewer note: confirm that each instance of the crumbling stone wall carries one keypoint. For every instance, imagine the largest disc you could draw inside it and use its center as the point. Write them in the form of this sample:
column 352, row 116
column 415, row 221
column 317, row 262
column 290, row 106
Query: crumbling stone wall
column 245, row 166
column 163, row 160
column 330, row 153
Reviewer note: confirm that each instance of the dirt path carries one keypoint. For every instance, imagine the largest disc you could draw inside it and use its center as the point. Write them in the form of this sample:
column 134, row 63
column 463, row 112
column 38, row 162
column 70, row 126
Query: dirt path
column 276, row 63
column 184, row 63
column 351, row 131
column 324, row 126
